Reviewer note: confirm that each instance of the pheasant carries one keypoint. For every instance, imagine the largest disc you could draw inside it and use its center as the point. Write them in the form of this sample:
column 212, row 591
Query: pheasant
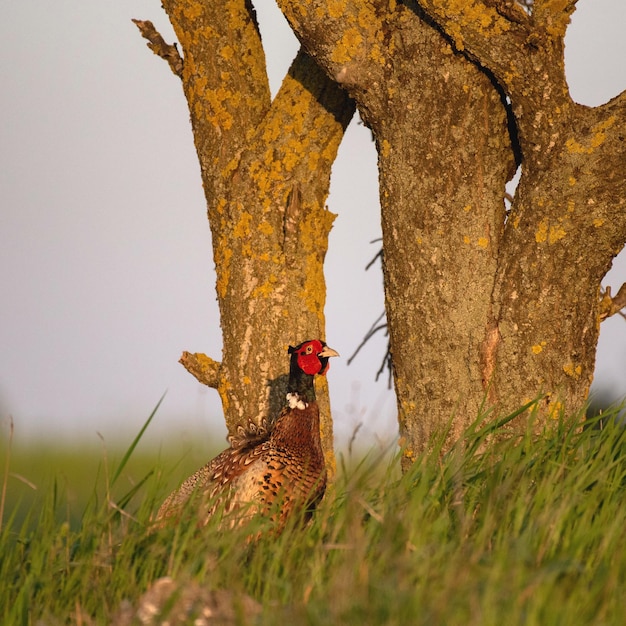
column 274, row 472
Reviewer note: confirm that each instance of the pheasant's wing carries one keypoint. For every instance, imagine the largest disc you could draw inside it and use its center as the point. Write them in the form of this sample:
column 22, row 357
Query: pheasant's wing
column 213, row 481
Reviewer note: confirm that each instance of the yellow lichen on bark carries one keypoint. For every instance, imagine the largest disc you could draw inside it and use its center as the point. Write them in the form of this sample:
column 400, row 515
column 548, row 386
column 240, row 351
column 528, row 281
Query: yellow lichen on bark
column 242, row 227
column 467, row 15
column 596, row 138
column 223, row 253
column 574, row 371
column 549, row 232
column 554, row 16
column 348, row 48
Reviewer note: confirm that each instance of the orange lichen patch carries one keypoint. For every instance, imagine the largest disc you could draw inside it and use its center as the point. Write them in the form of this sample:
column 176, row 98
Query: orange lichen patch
column 574, row 371
column 466, row 239
column 224, row 389
column 348, row 47
column 242, row 227
column 192, row 10
column 213, row 104
column 549, row 232
column 266, row 289
column 555, row 233
column 482, row 242
column 335, row 8
column 596, row 139
column 313, row 161
column 376, row 54
column 223, row 256
column 408, row 453
column 554, row 15
column 464, row 15
column 313, row 243
column 219, row 207
column 599, row 131
column 573, row 147
column 313, row 293
column 538, row 347
column 542, row 231
column 266, row 228
column 556, row 408
column 598, row 221
column 227, row 52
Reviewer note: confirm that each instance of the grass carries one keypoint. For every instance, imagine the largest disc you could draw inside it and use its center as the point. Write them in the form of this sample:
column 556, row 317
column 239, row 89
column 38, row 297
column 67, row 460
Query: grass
column 528, row 530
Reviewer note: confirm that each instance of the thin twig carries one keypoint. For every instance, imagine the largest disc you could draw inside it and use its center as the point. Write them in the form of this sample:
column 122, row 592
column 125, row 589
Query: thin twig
column 374, row 328
column 379, row 255
column 386, row 362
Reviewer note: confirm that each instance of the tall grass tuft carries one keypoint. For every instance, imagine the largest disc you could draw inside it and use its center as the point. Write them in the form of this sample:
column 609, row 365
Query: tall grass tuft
column 522, row 529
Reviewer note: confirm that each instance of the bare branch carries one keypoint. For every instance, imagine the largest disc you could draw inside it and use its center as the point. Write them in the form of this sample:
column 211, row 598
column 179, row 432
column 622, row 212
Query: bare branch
column 612, row 305
column 157, row 44
column 204, row 368
column 374, row 328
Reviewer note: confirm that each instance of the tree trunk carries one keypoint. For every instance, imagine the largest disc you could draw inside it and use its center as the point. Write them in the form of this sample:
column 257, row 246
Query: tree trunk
column 266, row 172
column 444, row 159
column 568, row 219
column 481, row 306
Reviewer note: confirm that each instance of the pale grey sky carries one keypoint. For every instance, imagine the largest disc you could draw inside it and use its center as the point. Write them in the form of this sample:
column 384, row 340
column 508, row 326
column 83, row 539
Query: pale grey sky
column 105, row 260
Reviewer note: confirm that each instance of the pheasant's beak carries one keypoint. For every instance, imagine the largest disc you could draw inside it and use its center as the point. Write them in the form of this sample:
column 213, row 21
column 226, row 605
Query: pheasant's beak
column 328, row 352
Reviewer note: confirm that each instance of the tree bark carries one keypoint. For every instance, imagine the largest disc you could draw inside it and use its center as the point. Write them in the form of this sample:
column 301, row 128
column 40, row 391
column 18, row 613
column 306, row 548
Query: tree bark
column 266, row 170
column 444, row 158
column 482, row 307
column 568, row 219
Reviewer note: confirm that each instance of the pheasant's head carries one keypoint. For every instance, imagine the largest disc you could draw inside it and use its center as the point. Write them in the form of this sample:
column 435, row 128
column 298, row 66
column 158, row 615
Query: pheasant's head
column 311, row 357
column 307, row 359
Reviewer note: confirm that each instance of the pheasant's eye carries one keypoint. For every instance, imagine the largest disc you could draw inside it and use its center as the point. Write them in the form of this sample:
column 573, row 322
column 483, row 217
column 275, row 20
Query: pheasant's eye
column 309, row 349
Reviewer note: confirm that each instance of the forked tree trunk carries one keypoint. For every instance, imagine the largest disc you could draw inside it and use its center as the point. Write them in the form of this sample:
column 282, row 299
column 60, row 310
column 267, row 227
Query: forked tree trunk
column 266, row 172
column 482, row 307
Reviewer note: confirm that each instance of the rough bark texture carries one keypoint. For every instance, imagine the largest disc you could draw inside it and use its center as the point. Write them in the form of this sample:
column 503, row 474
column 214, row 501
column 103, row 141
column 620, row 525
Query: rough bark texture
column 266, row 170
column 568, row 218
column 480, row 305
column 444, row 158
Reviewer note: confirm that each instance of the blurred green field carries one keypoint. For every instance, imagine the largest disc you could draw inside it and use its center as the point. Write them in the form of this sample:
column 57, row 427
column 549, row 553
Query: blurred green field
column 78, row 471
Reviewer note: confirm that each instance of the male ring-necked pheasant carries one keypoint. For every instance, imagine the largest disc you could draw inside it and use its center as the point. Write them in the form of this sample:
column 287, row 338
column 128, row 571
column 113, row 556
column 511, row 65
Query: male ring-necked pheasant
column 271, row 473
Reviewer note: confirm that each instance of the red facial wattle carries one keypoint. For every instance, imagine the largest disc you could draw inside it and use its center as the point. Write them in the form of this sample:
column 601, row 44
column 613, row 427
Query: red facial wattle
column 308, row 359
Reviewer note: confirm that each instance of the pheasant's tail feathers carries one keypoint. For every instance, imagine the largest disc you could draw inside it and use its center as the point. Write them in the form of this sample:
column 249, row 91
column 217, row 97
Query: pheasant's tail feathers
column 250, row 436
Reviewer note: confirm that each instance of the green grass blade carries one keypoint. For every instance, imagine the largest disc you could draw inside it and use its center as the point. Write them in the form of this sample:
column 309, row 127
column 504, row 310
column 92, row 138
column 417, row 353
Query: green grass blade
column 136, row 440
